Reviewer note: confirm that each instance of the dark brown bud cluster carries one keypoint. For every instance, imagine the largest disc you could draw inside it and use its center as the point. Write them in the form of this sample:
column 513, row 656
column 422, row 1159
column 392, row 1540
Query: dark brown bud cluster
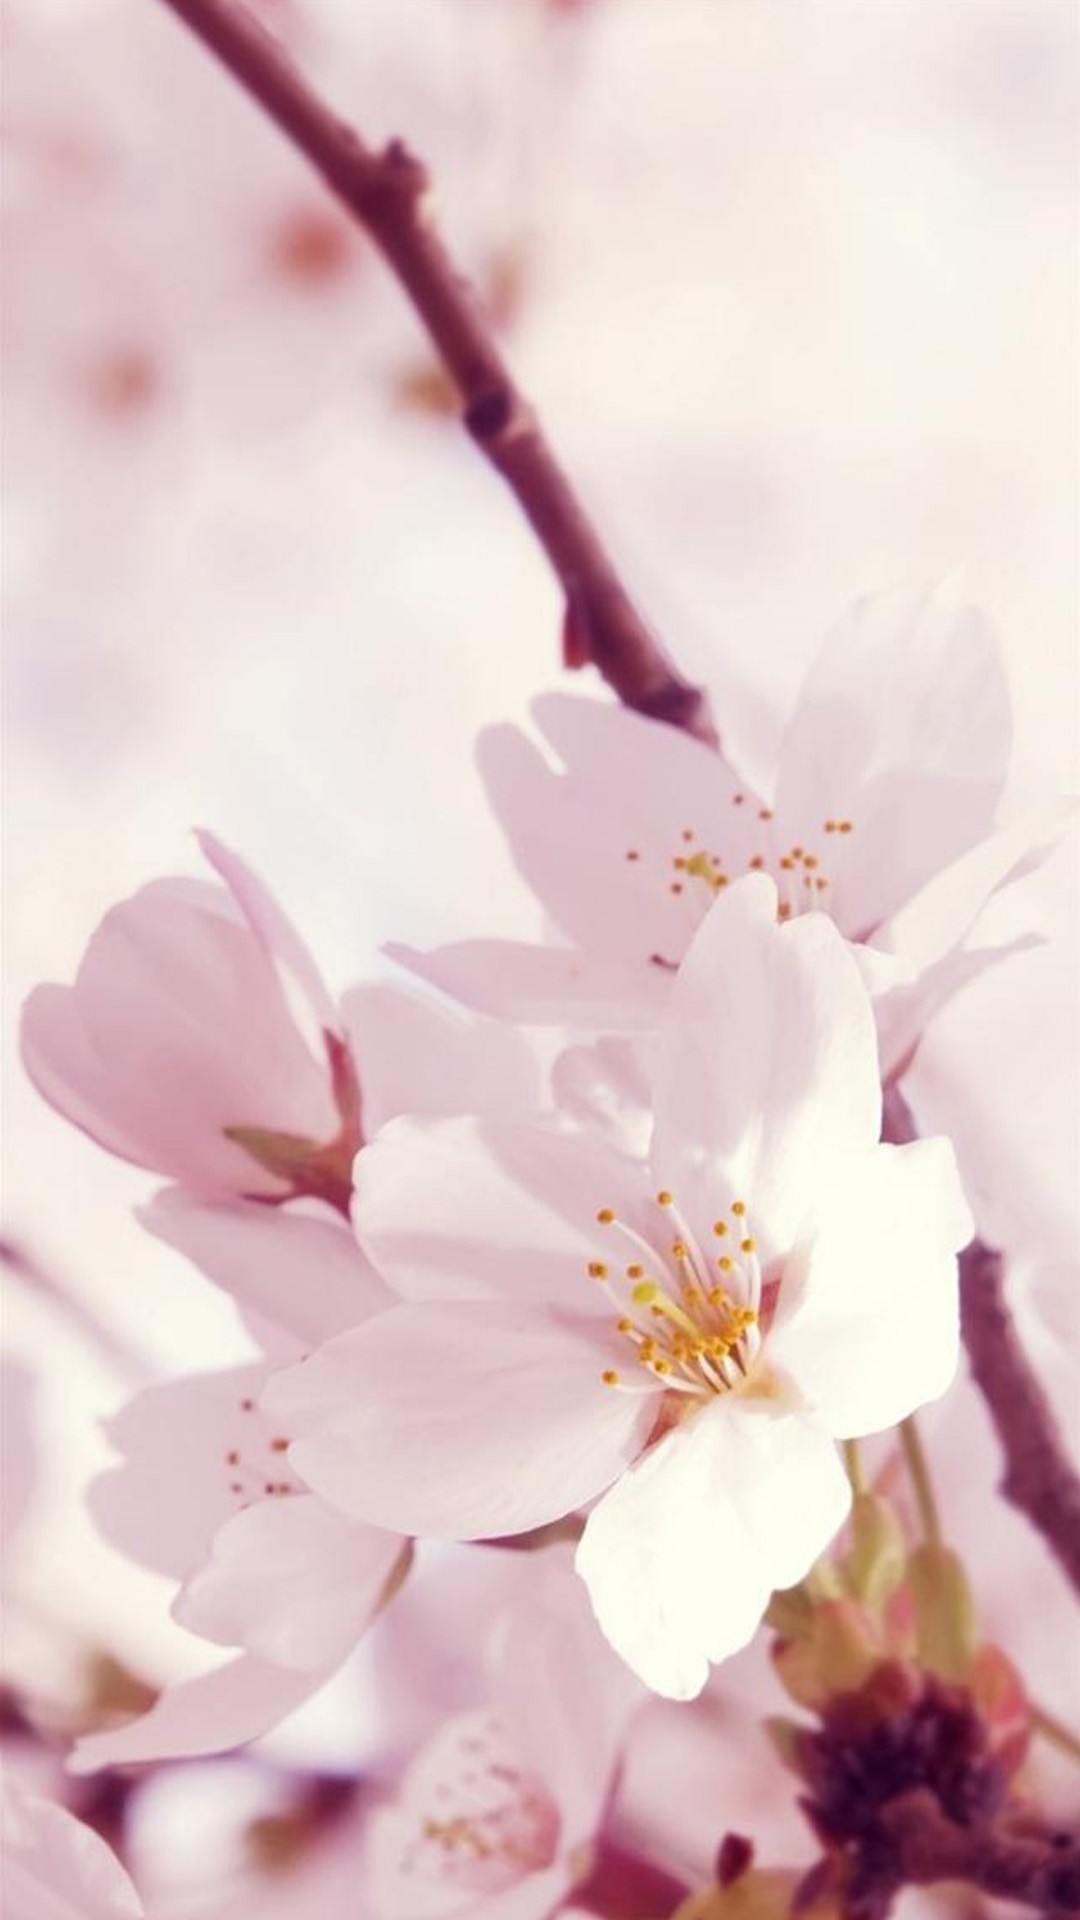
column 907, row 1784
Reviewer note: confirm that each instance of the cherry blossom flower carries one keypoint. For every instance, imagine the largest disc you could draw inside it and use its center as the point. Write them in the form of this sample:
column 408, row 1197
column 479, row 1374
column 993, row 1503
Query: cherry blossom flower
column 685, row 1337
column 55, row 1868
column 883, row 816
column 206, row 1495
column 499, row 1813
column 200, row 1040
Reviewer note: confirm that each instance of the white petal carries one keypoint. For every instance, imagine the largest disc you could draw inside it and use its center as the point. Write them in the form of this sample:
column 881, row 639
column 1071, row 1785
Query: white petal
column 867, row 1327
column 767, row 1072
column 902, row 725
column 681, row 1556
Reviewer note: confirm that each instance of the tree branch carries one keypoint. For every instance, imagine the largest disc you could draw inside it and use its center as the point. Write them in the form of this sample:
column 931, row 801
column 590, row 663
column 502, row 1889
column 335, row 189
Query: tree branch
column 386, row 191
column 1039, row 1478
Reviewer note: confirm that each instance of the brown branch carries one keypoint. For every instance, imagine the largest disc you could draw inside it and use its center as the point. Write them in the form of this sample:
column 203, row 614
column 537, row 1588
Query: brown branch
column 1034, row 1864
column 386, row 190
column 1039, row 1479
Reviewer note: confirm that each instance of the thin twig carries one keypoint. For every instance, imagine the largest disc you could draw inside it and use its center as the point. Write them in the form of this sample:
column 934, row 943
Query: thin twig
column 1040, row 1478
column 387, row 191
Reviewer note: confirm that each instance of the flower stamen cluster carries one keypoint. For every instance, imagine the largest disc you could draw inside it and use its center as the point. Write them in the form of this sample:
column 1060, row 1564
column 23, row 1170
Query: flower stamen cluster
column 690, row 1331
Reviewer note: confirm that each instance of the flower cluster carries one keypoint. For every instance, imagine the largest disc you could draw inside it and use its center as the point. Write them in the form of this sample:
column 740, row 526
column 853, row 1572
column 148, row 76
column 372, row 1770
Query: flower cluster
column 628, row 1288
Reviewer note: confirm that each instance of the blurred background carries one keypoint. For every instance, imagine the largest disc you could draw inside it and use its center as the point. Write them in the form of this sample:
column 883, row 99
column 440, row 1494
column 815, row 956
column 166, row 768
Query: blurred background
column 796, row 287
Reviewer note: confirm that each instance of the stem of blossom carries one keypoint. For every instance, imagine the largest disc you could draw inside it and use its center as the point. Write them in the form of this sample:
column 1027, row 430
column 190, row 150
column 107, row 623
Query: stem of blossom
column 853, row 1463
column 921, row 1482
column 386, row 190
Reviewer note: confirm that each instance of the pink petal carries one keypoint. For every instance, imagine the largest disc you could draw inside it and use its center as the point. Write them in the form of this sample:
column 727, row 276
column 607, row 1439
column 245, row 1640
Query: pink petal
column 470, row 1773
column 55, row 1868
column 630, row 786
column 179, row 1480
column 566, row 1698
column 419, row 1057
column 463, row 1420
column 903, row 1013
column 867, row 1326
column 19, row 1444
column 291, row 1581
column 212, row 1713
column 176, row 1028
column 508, row 1207
column 902, row 726
column 682, row 1555
column 303, row 1273
column 606, row 1088
column 301, row 981
column 767, row 1073
column 543, row 986
column 934, row 922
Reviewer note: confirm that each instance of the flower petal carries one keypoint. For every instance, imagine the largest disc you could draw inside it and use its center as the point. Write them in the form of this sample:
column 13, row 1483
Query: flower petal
column 631, row 787
column 303, row 1273
column 419, row 1057
column 941, row 913
column 564, row 1695
column 767, row 1074
column 215, row 1711
column 681, row 1556
column 174, row 992
column 544, row 986
column 178, row 1480
column 903, row 726
column 292, row 1581
column 463, row 1206
column 464, row 1421
column 301, row 982
column 55, row 1868
column 868, row 1326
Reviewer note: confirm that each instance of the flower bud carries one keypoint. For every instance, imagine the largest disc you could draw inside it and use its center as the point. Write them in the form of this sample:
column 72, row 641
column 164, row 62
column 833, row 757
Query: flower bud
column 199, row 1040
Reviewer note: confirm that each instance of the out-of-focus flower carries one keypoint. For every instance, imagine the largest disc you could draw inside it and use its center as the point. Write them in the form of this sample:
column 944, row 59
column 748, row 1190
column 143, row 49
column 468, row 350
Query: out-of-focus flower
column 887, row 787
column 206, row 1495
column 500, row 1812
column 689, row 1334
column 55, row 1868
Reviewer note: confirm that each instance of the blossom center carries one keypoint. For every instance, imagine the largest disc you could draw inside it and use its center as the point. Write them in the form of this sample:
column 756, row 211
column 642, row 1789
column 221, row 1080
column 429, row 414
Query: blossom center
column 484, row 1821
column 256, row 1466
column 805, row 875
column 689, row 1316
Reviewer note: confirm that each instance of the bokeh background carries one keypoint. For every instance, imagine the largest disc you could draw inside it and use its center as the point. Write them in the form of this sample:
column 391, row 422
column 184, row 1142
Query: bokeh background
column 796, row 287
